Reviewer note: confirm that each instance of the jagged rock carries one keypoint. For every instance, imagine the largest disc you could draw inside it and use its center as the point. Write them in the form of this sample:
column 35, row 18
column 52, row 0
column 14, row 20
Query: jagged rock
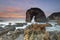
column 38, row 13
column 36, row 32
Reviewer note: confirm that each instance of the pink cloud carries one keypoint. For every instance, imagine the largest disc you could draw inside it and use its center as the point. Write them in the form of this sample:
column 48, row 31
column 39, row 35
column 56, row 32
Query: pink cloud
column 12, row 12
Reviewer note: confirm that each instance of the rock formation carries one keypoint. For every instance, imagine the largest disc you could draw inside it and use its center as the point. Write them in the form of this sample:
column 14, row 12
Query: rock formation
column 38, row 13
column 36, row 32
column 54, row 16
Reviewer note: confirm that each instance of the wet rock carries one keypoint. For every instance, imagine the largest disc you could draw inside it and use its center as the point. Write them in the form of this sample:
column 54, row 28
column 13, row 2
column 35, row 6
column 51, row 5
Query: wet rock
column 54, row 35
column 10, row 27
column 19, row 24
column 11, row 35
column 1, row 29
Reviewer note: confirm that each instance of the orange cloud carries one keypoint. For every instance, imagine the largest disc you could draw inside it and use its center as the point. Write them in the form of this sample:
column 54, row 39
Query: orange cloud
column 12, row 16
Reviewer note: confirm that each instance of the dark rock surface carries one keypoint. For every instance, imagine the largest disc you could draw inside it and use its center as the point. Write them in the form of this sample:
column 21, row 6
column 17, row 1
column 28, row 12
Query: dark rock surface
column 38, row 13
column 19, row 24
column 9, row 26
column 55, row 15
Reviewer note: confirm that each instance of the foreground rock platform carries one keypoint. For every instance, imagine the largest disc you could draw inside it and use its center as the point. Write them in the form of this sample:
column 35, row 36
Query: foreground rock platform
column 36, row 32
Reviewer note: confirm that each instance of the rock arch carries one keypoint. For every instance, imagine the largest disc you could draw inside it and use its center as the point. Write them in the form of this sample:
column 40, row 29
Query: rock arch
column 38, row 13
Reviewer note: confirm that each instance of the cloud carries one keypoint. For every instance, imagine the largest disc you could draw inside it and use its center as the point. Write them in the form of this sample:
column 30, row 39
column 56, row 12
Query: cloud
column 14, row 9
column 12, row 12
column 11, row 15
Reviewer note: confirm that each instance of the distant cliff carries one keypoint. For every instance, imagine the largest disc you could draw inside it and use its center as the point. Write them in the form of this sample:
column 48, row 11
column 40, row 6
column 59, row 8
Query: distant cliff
column 54, row 16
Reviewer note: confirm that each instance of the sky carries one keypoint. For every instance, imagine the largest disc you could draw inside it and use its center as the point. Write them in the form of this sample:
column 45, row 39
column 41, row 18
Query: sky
column 18, row 8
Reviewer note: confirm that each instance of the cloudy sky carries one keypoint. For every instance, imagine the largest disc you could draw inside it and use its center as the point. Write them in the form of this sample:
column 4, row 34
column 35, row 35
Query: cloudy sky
column 18, row 8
